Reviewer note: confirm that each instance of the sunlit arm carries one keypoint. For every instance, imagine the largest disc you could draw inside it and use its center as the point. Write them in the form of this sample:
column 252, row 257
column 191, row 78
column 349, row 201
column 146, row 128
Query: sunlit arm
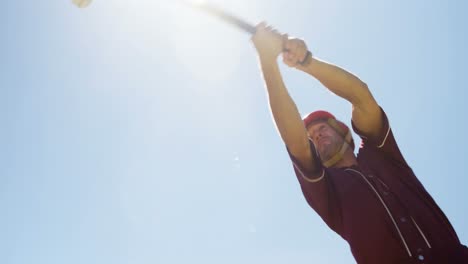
column 366, row 112
column 285, row 114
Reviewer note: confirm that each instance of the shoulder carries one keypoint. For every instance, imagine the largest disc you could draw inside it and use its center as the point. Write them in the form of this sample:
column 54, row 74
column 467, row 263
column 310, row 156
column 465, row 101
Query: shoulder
column 377, row 139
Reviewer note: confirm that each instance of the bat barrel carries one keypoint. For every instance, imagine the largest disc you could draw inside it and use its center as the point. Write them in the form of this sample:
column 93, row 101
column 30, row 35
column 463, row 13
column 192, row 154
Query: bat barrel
column 215, row 11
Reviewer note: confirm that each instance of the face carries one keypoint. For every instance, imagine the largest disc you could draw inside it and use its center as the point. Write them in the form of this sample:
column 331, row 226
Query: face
column 326, row 140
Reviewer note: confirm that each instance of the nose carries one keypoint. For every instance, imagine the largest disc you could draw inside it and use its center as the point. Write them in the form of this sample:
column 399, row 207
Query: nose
column 318, row 136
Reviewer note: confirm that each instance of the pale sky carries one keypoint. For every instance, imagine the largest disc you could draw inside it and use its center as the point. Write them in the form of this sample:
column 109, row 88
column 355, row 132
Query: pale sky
column 139, row 131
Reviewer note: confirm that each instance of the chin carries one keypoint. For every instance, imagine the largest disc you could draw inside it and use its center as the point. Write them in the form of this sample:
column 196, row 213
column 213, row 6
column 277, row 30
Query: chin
column 327, row 153
column 324, row 155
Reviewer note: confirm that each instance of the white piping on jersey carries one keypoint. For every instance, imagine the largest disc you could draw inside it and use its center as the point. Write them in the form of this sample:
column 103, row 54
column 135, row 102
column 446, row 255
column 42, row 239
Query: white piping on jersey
column 314, row 180
column 385, row 139
column 422, row 234
column 383, row 183
column 386, row 208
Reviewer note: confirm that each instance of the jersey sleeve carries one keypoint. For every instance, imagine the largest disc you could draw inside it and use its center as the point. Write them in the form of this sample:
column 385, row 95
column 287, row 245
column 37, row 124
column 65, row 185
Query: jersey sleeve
column 317, row 188
column 384, row 142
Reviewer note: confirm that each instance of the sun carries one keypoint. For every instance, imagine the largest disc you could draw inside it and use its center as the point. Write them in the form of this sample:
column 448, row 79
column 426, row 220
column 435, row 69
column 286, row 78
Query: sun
column 206, row 47
column 209, row 48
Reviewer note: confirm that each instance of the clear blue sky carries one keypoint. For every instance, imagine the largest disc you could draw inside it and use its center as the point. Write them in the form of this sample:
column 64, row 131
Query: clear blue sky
column 139, row 132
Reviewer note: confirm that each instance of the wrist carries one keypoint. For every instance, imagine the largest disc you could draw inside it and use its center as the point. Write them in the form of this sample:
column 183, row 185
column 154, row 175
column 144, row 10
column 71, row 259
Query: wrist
column 267, row 58
column 307, row 63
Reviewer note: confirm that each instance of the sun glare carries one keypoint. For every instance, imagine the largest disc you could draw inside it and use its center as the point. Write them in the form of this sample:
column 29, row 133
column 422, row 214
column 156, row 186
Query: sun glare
column 205, row 45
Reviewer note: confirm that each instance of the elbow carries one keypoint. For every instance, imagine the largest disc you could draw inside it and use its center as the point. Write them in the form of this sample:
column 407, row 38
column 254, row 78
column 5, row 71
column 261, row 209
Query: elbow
column 363, row 85
column 299, row 150
column 362, row 94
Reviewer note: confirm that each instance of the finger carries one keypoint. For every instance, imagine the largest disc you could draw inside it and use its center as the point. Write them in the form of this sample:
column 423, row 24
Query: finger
column 260, row 30
column 285, row 42
column 261, row 26
column 304, row 49
column 288, row 62
column 289, row 47
column 288, row 58
column 308, row 59
column 294, row 45
column 303, row 44
column 288, row 44
column 283, row 45
column 303, row 56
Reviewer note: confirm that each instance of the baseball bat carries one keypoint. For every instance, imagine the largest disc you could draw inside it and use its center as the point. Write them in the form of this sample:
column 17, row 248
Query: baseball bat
column 233, row 20
column 222, row 14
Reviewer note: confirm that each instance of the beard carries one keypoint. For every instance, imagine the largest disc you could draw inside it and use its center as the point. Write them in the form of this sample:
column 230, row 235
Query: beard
column 329, row 147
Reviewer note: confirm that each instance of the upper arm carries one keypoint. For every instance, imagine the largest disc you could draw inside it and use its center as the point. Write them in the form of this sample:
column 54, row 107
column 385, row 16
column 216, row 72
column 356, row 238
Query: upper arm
column 307, row 163
column 304, row 156
column 366, row 114
column 382, row 143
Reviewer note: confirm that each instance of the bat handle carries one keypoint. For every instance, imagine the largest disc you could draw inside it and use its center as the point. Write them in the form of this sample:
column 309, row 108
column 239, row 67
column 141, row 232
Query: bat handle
column 245, row 26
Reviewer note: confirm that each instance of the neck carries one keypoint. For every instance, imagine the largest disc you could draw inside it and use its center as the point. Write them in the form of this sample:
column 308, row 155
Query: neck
column 348, row 160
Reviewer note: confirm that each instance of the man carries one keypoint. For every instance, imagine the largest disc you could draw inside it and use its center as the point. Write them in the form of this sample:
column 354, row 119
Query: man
column 373, row 200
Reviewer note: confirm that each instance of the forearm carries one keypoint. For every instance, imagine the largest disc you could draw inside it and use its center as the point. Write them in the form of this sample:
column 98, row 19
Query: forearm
column 338, row 81
column 285, row 114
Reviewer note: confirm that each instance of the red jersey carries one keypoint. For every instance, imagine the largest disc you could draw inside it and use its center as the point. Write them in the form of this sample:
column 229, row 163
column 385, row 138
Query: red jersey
column 380, row 208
